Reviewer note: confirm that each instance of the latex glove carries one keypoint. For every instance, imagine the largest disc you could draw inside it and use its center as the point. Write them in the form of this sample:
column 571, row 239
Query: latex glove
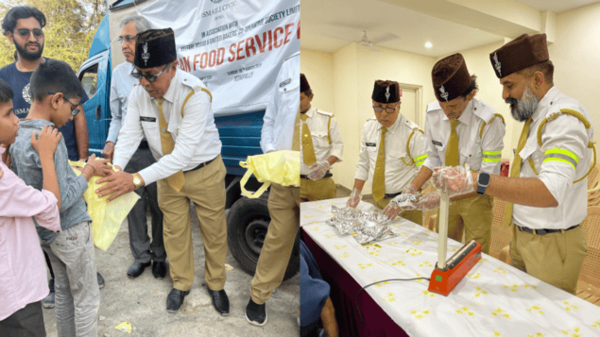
column 392, row 210
column 354, row 198
column 318, row 170
column 428, row 201
column 453, row 181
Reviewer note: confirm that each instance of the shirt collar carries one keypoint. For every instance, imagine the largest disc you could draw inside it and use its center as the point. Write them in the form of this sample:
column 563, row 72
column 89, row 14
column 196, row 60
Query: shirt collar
column 392, row 129
column 545, row 103
column 311, row 112
column 466, row 116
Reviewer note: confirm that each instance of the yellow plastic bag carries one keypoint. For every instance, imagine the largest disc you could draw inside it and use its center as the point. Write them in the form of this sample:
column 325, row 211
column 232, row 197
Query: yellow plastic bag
column 106, row 217
column 280, row 167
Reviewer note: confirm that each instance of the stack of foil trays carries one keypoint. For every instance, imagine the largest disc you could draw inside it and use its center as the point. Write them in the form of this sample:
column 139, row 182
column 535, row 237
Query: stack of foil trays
column 367, row 226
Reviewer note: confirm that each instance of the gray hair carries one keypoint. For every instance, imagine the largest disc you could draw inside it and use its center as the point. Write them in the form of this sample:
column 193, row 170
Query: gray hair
column 141, row 23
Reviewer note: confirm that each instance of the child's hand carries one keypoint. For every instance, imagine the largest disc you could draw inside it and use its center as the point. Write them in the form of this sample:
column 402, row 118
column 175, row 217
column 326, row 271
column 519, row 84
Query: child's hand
column 47, row 142
column 99, row 166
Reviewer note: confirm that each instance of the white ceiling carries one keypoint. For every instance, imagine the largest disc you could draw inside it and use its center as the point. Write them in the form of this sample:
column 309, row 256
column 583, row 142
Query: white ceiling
column 330, row 25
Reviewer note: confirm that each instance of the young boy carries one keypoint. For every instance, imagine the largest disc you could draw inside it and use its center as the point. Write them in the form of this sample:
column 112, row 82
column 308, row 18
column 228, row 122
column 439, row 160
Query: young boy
column 55, row 94
column 23, row 277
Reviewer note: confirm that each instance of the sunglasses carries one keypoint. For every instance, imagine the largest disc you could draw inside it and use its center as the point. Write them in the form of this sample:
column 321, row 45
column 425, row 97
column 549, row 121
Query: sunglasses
column 388, row 110
column 127, row 38
column 24, row 32
column 149, row 77
column 74, row 110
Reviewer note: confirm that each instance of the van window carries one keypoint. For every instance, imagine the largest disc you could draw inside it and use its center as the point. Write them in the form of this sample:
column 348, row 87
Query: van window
column 89, row 80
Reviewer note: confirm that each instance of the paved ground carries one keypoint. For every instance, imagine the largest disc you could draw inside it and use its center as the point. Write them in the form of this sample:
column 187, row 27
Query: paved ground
column 142, row 301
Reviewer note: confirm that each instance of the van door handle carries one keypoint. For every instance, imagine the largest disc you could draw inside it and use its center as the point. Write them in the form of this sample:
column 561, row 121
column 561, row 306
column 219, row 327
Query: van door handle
column 98, row 116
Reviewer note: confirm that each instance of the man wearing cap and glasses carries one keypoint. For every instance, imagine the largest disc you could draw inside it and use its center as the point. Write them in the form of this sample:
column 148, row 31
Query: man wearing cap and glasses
column 172, row 109
column 391, row 150
column 462, row 130
column 547, row 188
column 145, row 251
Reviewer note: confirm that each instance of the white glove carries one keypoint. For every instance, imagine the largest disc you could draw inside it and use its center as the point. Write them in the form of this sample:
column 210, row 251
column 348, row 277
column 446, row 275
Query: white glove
column 318, row 170
column 428, row 201
column 354, row 198
column 453, row 181
column 392, row 210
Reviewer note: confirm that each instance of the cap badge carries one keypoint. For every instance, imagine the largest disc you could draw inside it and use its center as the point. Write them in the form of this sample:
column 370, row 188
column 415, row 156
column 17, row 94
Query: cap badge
column 444, row 93
column 145, row 54
column 387, row 94
column 497, row 64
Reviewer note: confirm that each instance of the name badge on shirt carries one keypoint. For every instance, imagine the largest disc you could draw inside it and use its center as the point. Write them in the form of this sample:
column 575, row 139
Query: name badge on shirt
column 435, row 142
column 370, row 144
column 148, row 119
column 284, row 83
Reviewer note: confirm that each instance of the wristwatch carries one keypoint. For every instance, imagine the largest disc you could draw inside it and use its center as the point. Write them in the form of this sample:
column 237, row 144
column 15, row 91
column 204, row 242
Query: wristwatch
column 483, row 180
column 137, row 180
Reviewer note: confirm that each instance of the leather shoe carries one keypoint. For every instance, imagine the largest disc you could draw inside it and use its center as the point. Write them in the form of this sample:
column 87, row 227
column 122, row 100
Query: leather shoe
column 220, row 301
column 175, row 299
column 159, row 269
column 137, row 268
column 256, row 314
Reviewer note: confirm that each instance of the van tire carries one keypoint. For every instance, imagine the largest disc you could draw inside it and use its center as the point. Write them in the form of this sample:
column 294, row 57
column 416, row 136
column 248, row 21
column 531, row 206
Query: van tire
column 247, row 224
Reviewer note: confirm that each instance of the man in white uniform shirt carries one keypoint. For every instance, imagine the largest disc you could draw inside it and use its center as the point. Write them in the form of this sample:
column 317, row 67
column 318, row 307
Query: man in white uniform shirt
column 172, row 109
column 143, row 250
column 319, row 151
column 284, row 202
column 547, row 197
column 391, row 150
column 462, row 130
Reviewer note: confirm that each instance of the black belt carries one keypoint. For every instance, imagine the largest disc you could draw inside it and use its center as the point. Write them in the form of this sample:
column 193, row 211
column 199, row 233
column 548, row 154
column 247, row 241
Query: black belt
column 544, row 231
column 143, row 145
column 201, row 165
column 392, row 195
column 327, row 175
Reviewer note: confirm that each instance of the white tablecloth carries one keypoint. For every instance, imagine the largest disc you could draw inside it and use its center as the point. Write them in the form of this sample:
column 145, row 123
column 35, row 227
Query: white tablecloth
column 494, row 299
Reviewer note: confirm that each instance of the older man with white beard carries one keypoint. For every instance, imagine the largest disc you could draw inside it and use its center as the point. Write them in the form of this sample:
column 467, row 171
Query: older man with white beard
column 547, row 187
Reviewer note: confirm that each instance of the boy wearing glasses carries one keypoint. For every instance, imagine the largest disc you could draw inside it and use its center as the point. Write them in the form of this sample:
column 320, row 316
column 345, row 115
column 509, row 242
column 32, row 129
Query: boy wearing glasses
column 391, row 150
column 56, row 93
column 462, row 130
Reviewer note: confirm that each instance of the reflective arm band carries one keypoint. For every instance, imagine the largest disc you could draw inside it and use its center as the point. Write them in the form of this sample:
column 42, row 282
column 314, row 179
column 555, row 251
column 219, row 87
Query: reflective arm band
column 420, row 160
column 562, row 156
column 492, row 156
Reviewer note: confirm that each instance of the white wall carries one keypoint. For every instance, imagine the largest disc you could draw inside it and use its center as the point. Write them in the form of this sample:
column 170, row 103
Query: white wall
column 354, row 69
column 576, row 57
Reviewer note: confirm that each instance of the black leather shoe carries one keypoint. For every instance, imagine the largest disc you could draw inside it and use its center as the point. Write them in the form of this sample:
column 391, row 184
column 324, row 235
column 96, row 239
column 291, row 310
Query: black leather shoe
column 256, row 314
column 137, row 268
column 159, row 269
column 175, row 299
column 100, row 281
column 220, row 301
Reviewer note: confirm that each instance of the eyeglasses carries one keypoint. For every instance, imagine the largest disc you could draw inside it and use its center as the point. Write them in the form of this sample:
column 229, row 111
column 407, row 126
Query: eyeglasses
column 24, row 32
column 149, row 77
column 388, row 110
column 127, row 38
column 74, row 110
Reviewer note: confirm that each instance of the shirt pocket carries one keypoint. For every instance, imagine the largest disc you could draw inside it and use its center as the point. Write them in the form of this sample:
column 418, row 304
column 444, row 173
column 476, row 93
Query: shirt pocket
column 439, row 147
column 320, row 140
column 149, row 125
column 472, row 155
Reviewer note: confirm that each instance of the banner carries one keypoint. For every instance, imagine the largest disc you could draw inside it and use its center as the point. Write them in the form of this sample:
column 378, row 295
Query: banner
column 235, row 47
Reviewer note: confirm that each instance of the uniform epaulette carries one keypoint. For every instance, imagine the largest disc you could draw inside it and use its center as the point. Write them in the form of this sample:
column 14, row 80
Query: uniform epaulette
column 324, row 113
column 485, row 114
column 410, row 124
column 433, row 106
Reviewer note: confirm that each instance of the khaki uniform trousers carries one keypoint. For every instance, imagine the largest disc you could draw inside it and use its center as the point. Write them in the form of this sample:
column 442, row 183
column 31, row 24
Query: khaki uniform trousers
column 205, row 187
column 284, row 209
column 555, row 258
column 474, row 216
column 313, row 190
